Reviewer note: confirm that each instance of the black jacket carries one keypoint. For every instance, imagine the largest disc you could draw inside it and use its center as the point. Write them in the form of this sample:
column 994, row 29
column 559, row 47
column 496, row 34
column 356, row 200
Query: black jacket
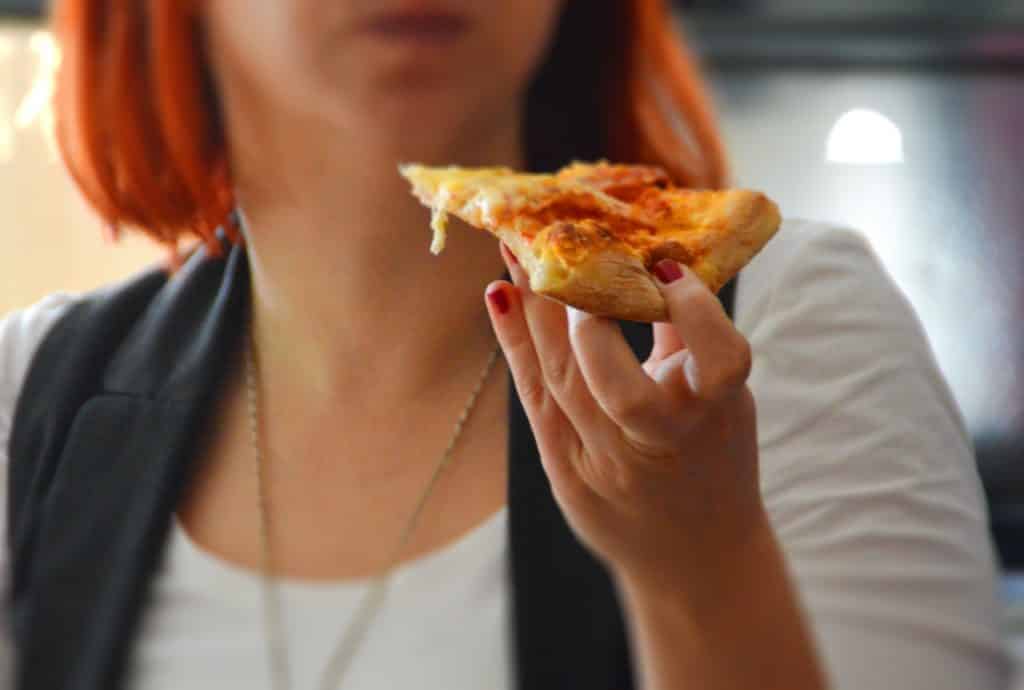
column 105, row 432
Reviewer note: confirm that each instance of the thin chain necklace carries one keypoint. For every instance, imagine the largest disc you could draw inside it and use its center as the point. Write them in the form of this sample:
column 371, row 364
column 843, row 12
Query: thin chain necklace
column 369, row 606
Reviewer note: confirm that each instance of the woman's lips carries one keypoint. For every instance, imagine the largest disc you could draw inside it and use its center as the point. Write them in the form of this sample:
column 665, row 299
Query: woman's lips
column 419, row 27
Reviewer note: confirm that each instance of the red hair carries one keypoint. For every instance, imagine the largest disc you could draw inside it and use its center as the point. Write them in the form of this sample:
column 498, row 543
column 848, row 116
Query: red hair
column 139, row 129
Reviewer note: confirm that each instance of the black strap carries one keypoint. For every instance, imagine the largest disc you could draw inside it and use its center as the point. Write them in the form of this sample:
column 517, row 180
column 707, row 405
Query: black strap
column 727, row 296
column 568, row 629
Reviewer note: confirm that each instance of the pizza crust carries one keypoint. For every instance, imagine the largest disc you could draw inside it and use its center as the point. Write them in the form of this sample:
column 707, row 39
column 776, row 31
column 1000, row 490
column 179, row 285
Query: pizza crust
column 752, row 220
column 617, row 284
column 613, row 285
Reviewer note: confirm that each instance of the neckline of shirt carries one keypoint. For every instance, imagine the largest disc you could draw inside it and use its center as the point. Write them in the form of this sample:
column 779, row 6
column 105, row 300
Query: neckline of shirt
column 191, row 562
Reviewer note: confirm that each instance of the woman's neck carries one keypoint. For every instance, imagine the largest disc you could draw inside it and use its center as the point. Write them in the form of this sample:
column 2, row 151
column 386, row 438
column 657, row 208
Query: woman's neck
column 346, row 295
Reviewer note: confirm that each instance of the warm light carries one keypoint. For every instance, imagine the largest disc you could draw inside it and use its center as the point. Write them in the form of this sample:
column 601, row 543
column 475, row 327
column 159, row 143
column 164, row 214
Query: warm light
column 6, row 132
column 35, row 106
column 864, row 137
column 21, row 113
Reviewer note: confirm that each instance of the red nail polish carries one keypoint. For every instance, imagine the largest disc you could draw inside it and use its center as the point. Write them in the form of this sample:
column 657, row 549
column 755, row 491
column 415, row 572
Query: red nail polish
column 499, row 299
column 668, row 271
column 511, row 256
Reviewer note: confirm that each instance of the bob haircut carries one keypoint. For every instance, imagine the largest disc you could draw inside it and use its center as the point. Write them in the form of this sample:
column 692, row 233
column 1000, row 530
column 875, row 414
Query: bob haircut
column 139, row 128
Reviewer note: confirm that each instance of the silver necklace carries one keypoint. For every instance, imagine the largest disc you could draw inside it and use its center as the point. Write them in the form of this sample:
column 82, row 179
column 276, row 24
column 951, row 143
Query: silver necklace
column 369, row 606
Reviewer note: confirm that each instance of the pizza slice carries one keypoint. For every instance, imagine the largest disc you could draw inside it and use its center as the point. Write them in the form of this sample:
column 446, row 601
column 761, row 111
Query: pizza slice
column 589, row 234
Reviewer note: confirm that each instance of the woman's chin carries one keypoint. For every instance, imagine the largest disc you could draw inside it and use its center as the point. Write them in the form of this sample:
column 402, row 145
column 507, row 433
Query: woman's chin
column 431, row 133
column 420, row 148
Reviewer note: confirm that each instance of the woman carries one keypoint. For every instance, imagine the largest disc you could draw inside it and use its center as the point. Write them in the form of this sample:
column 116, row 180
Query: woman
column 210, row 476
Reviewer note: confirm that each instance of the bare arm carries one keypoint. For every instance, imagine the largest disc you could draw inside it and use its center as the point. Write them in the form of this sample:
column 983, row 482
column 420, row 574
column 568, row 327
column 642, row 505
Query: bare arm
column 740, row 626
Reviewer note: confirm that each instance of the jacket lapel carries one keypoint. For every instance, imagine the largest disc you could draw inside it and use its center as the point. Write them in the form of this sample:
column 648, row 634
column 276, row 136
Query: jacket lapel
column 127, row 458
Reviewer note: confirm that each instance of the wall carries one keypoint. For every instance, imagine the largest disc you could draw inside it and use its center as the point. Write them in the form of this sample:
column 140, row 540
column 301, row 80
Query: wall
column 50, row 239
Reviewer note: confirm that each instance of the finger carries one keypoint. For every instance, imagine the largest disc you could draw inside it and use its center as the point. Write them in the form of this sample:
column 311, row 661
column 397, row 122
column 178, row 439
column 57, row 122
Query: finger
column 556, row 439
column 546, row 322
column 720, row 356
column 619, row 385
column 666, row 342
column 515, row 270
column 671, row 377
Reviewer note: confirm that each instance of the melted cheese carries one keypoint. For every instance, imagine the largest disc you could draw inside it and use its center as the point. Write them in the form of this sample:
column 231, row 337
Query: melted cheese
column 459, row 191
column 486, row 202
column 439, row 224
column 571, row 211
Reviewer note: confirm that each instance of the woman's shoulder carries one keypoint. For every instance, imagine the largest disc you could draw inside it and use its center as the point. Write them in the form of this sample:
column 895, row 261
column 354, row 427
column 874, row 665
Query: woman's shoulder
column 21, row 333
column 23, row 330
column 809, row 260
column 815, row 281
column 866, row 467
column 830, row 328
column 32, row 322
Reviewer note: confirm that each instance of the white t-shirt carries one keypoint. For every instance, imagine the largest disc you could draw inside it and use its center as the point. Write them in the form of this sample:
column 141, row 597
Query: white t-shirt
column 867, row 475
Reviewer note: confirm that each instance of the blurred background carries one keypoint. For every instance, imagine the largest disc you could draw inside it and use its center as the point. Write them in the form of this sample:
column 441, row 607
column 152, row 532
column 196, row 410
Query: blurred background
column 905, row 120
column 901, row 118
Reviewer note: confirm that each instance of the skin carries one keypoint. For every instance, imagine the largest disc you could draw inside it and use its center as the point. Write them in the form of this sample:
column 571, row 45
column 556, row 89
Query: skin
column 656, row 470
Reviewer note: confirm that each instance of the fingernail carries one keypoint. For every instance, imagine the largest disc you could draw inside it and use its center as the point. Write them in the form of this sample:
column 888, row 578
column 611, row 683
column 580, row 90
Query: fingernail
column 511, row 256
column 499, row 299
column 668, row 271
